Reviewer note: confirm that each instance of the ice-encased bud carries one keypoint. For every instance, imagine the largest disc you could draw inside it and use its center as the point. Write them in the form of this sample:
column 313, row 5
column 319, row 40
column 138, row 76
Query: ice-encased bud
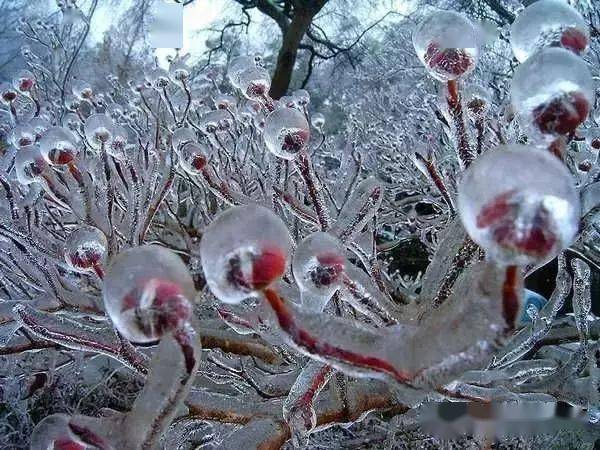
column 82, row 89
column 54, row 433
column 447, row 43
column 193, row 157
column 318, row 264
column 182, row 136
column 30, row 165
column 118, row 143
column 255, row 83
column 548, row 23
column 317, row 120
column 99, row 130
column 553, row 91
column 225, row 101
column 24, row 81
column 301, row 96
column 286, row 132
column 58, row 146
column 85, row 249
column 147, row 292
column 237, row 66
column 216, row 121
column 519, row 204
column 243, row 251
column 477, row 101
column 7, row 93
column 39, row 126
column 158, row 78
column 23, row 136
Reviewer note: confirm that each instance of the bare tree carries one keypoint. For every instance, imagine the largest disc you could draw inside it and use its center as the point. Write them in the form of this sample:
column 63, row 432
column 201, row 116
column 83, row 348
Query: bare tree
column 297, row 21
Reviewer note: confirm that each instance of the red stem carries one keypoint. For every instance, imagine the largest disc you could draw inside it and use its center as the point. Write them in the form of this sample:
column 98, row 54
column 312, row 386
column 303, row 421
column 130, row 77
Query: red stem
column 510, row 295
column 314, row 189
column 99, row 271
column 465, row 155
column 304, row 339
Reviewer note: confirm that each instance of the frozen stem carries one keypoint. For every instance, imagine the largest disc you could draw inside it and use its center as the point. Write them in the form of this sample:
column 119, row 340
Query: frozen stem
column 464, row 152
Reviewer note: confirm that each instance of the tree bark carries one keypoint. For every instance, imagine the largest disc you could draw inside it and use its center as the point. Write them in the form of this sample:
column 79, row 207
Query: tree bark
column 286, row 59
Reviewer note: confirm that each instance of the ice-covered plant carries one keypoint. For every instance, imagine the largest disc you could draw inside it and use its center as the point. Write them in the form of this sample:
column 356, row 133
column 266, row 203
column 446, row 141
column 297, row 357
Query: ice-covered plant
column 229, row 251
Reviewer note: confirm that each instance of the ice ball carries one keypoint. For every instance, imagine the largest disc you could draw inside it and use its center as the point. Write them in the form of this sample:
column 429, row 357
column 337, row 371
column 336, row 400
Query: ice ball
column 553, row 91
column 147, row 291
column 519, row 204
column 243, row 251
column 548, row 23
column 447, row 43
column 286, row 132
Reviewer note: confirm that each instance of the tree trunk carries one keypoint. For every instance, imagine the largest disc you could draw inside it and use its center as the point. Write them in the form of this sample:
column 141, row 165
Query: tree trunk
column 288, row 53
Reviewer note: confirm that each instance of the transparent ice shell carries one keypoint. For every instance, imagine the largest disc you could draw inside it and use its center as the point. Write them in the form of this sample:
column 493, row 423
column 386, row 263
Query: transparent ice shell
column 255, row 83
column 237, row 66
column 317, row 120
column 193, row 157
column 54, row 433
column 548, row 23
column 519, row 204
column 319, row 263
column 181, row 136
column 217, row 121
column 58, row 146
column 147, row 291
column 99, row 130
column 24, row 81
column 30, row 165
column 85, row 249
column 286, row 132
column 244, row 250
column 447, row 43
column 552, row 91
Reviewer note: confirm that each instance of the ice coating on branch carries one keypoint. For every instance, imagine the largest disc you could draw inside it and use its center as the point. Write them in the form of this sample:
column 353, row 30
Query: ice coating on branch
column 447, row 43
column 286, row 132
column 319, row 265
column 548, row 23
column 58, row 146
column 85, row 249
column 54, row 433
column 526, row 338
column 582, row 298
column 244, row 250
column 520, row 204
column 30, row 165
column 553, row 91
column 298, row 408
column 147, row 291
column 359, row 209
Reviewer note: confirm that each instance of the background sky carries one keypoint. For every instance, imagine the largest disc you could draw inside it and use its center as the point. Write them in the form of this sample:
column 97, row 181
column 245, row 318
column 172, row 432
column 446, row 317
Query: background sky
column 203, row 14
